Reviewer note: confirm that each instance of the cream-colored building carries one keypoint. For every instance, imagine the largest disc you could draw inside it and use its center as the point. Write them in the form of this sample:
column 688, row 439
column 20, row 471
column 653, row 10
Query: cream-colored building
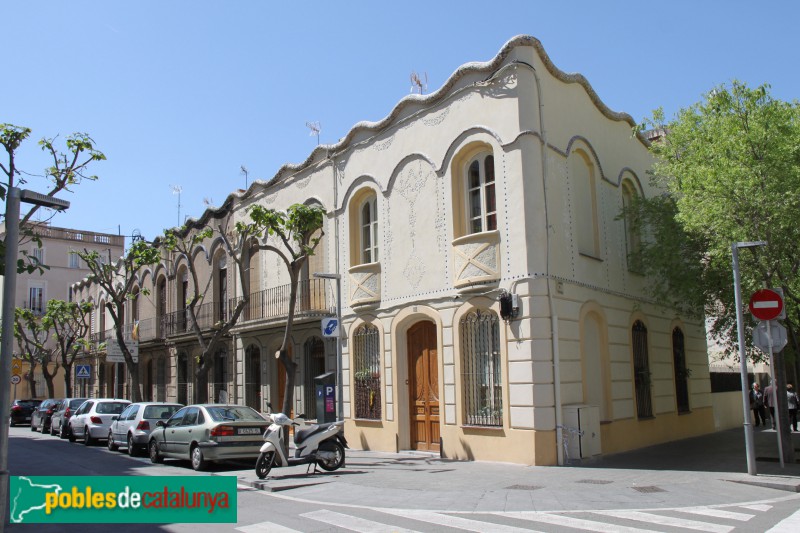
column 506, row 182
column 64, row 268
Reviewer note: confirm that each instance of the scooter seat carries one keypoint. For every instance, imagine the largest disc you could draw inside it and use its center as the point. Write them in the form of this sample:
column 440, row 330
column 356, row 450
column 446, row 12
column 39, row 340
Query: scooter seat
column 302, row 434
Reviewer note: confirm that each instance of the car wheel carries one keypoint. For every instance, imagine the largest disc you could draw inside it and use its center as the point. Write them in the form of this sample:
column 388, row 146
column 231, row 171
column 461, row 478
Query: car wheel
column 155, row 454
column 64, row 431
column 33, row 426
column 71, row 434
column 198, row 461
column 87, row 437
column 112, row 446
column 53, row 431
column 11, row 423
column 132, row 451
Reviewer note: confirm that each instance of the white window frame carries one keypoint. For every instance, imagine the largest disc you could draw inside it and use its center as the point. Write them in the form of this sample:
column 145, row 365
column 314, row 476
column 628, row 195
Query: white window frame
column 484, row 216
column 74, row 261
column 38, row 254
column 368, row 227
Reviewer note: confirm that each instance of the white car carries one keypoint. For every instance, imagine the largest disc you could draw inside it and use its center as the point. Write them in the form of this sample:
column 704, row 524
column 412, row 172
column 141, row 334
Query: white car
column 132, row 428
column 93, row 419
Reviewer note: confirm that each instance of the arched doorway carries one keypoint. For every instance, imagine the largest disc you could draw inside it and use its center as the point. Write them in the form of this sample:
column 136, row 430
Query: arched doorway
column 313, row 366
column 252, row 376
column 183, row 378
column 423, row 386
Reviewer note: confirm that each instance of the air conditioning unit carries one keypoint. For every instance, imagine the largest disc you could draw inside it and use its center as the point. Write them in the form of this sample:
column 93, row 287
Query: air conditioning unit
column 581, row 430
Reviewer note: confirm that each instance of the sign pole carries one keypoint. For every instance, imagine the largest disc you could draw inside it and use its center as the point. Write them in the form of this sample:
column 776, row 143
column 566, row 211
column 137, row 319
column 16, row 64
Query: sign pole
column 774, row 384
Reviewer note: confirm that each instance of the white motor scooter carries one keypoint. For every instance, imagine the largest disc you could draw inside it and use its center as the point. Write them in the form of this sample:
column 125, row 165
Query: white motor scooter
column 317, row 444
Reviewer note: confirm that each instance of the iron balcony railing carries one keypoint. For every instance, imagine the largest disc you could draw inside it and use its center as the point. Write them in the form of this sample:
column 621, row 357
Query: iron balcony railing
column 271, row 304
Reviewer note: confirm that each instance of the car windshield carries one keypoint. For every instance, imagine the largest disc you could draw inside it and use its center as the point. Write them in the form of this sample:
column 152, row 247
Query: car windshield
column 234, row 412
column 29, row 403
column 160, row 411
column 74, row 404
column 110, row 408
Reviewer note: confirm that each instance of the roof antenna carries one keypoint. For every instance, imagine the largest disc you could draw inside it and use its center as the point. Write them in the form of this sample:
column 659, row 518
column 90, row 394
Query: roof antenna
column 243, row 170
column 315, row 129
column 177, row 189
column 417, row 81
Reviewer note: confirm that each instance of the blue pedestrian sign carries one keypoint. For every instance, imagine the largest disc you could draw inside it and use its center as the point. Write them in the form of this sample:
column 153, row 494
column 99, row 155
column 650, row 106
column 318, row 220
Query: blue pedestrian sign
column 83, row 371
column 330, row 327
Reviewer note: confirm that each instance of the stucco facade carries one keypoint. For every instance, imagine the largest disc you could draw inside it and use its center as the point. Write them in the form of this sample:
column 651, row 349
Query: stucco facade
column 507, row 181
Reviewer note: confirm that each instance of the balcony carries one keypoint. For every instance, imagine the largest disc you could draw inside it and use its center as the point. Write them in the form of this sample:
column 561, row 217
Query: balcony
column 476, row 259
column 365, row 284
column 273, row 304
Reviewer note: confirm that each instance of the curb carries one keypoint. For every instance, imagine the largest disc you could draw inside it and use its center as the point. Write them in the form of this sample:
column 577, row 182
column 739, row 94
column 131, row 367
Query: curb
column 776, row 484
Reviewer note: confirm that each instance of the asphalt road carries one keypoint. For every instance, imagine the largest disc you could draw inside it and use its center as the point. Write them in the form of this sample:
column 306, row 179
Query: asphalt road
column 302, row 502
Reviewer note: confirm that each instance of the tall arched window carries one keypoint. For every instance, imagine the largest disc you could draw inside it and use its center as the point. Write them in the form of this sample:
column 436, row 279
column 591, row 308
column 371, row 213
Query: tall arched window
column 221, row 376
column 584, row 182
column 681, row 372
column 369, row 230
column 252, row 378
column 632, row 230
column 161, row 305
column 641, row 370
column 183, row 293
column 161, row 379
column 221, row 282
column 481, row 369
column 367, row 368
column 481, row 198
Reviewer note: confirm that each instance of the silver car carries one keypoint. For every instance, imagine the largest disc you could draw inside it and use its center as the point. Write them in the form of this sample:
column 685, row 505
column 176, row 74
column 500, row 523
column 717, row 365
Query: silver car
column 208, row 432
column 58, row 422
column 131, row 429
column 92, row 419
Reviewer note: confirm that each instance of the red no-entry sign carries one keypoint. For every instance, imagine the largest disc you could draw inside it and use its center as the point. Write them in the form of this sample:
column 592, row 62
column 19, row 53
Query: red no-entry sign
column 766, row 304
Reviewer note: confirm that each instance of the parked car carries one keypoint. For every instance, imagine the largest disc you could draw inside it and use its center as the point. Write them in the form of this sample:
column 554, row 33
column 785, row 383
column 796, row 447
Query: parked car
column 93, row 418
column 22, row 411
column 208, row 432
column 58, row 422
column 40, row 418
column 132, row 427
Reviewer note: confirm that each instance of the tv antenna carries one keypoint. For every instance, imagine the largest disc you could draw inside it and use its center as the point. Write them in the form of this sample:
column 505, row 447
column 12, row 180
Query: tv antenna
column 177, row 189
column 418, row 83
column 315, row 129
column 243, row 170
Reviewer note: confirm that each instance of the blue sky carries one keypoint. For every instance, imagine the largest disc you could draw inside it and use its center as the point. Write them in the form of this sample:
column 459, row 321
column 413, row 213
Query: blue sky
column 185, row 93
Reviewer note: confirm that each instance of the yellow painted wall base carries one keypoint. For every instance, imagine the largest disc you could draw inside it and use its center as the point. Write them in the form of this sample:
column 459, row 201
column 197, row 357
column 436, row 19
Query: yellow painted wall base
column 625, row 435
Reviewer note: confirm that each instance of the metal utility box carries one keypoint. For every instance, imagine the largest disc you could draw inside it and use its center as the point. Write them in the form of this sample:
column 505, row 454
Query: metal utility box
column 585, row 418
column 325, row 393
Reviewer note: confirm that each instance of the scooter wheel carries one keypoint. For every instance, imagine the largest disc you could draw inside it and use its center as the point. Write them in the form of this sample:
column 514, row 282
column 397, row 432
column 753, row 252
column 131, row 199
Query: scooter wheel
column 264, row 464
column 337, row 461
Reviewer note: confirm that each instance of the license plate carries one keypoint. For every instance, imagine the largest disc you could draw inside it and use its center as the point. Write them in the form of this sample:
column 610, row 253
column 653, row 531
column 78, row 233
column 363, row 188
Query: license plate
column 27, row 419
column 249, row 431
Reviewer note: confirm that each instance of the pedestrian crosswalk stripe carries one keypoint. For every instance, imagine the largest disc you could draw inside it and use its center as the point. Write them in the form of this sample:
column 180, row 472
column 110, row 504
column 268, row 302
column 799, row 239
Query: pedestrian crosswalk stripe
column 455, row 521
column 763, row 507
column 266, row 527
column 568, row 521
column 788, row 525
column 666, row 521
column 353, row 523
column 718, row 513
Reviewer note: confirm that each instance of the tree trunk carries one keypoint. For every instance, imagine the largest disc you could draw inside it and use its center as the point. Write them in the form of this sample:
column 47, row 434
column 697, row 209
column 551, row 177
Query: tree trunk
column 136, row 390
column 201, row 382
column 48, row 379
column 67, row 381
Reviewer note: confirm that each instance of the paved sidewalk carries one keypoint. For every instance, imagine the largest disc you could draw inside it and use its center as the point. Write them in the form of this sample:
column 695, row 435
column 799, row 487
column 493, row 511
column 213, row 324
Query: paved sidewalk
column 707, row 470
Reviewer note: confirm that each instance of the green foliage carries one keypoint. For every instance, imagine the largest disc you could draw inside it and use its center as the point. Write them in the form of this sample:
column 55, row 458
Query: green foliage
column 731, row 165
column 295, row 226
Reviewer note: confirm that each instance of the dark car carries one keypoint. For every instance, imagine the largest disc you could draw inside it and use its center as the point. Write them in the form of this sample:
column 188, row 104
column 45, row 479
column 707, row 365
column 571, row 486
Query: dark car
column 40, row 418
column 22, row 410
column 58, row 423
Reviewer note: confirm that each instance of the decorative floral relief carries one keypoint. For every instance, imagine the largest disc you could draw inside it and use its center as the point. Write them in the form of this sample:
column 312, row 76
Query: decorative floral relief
column 383, row 145
column 436, row 119
column 339, row 170
column 270, row 198
column 414, row 270
column 303, row 183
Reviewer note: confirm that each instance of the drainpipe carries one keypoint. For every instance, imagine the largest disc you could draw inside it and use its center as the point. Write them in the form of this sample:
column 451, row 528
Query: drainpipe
column 551, row 303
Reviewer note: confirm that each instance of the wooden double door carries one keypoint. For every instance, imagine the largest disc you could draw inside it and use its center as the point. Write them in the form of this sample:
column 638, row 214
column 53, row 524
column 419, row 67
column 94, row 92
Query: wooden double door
column 423, row 385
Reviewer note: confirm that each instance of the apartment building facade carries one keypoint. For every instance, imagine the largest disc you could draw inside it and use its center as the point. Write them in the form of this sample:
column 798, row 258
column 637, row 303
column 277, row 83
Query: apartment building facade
column 489, row 306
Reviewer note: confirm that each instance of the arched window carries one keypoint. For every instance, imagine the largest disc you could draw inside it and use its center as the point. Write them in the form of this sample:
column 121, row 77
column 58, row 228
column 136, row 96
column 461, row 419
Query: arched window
column 481, row 369
column 641, row 371
column 183, row 293
column 367, row 368
column 481, row 198
column 584, row 182
column 313, row 366
column 221, row 376
column 221, row 287
column 681, row 372
column 252, row 378
column 369, row 230
column 161, row 306
column 632, row 230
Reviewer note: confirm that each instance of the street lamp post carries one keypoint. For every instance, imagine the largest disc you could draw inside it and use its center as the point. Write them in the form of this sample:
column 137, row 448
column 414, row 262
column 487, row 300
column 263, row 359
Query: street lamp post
column 13, row 199
column 338, row 278
column 737, row 292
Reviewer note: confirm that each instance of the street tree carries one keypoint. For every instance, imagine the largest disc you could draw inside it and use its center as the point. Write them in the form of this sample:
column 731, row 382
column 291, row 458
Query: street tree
column 70, row 322
column 117, row 280
column 731, row 167
column 188, row 243
column 68, row 168
column 293, row 235
column 32, row 334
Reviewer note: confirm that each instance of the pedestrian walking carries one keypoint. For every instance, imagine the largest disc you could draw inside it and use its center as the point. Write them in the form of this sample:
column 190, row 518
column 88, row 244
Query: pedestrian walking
column 792, row 400
column 757, row 405
column 768, row 401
